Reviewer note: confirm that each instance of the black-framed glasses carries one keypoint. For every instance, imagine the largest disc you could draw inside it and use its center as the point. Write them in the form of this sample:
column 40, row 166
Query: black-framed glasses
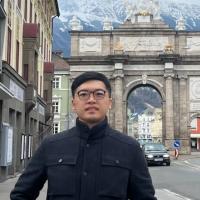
column 98, row 94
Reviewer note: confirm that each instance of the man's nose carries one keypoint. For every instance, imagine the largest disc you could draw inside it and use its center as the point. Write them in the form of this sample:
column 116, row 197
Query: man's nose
column 91, row 97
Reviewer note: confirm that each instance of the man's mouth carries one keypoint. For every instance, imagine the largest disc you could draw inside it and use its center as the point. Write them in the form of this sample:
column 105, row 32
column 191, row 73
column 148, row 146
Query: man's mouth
column 91, row 109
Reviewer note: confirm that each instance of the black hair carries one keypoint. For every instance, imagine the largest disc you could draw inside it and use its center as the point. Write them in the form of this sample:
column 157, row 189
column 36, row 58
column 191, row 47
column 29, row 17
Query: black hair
column 87, row 76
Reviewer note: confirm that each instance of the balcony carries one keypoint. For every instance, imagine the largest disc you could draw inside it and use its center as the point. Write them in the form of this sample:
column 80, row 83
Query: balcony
column 31, row 36
column 30, row 97
column 48, row 76
column 5, row 92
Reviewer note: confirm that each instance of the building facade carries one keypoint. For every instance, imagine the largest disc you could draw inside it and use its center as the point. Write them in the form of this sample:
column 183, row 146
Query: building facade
column 195, row 135
column 26, row 38
column 63, row 116
column 145, row 52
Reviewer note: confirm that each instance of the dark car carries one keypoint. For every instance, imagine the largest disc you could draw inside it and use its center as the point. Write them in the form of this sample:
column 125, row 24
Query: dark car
column 144, row 141
column 156, row 153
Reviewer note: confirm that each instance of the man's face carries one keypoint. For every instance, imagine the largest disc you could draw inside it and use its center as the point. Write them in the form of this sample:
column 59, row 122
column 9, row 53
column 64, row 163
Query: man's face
column 91, row 102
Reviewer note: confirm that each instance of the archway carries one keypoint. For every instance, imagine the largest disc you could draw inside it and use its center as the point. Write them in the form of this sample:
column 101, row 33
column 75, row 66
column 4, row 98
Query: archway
column 144, row 114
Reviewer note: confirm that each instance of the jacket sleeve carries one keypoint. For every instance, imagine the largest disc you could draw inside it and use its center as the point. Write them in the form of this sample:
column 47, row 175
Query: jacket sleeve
column 32, row 179
column 140, row 183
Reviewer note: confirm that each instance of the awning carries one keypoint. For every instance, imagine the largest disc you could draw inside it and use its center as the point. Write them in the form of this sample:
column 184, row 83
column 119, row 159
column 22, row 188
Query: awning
column 5, row 92
column 48, row 67
column 31, row 30
column 195, row 135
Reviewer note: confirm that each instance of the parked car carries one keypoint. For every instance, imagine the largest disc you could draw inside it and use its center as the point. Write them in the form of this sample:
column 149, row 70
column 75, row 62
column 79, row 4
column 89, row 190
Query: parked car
column 144, row 141
column 156, row 153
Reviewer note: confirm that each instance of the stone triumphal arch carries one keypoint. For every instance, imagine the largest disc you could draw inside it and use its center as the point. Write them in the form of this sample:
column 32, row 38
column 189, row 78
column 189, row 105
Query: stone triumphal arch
column 144, row 51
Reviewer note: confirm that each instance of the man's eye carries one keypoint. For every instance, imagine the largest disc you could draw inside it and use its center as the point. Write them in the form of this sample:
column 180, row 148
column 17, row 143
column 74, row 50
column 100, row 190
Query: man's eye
column 99, row 93
column 83, row 94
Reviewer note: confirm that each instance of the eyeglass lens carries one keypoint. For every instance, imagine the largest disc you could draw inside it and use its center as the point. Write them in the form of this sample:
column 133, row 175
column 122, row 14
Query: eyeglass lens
column 97, row 94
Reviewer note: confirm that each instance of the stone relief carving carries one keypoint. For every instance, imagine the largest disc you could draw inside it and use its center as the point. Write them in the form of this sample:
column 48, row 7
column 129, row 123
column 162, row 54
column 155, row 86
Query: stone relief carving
column 194, row 93
column 193, row 43
column 144, row 78
column 169, row 75
column 90, row 44
column 195, row 88
column 144, row 43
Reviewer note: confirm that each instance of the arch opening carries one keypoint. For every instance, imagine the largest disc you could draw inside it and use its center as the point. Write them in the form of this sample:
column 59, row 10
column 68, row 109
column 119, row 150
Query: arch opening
column 144, row 114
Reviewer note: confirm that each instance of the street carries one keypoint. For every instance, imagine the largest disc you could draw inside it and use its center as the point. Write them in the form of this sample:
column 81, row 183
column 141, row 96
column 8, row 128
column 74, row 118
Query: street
column 180, row 181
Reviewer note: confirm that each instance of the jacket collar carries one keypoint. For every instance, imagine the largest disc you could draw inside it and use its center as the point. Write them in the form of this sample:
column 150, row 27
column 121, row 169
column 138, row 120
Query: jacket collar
column 93, row 133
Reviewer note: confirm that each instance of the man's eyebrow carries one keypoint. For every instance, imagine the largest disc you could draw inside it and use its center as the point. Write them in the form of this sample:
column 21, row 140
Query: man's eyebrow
column 91, row 89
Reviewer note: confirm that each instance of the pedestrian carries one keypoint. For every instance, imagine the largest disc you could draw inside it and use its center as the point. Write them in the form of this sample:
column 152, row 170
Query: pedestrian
column 91, row 161
column 176, row 153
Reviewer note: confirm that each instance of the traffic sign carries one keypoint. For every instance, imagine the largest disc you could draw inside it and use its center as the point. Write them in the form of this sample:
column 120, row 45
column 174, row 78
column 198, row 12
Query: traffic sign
column 177, row 143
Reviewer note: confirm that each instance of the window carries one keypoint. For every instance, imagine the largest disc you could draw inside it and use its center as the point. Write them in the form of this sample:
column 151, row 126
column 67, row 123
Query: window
column 25, row 72
column 9, row 13
column 194, row 123
column 55, row 105
column 56, row 128
column 47, row 54
column 31, row 7
column 42, row 44
column 35, row 20
column 44, row 50
column 25, row 10
column 23, row 146
column 17, row 56
column 19, row 4
column 30, row 146
column 9, row 45
column 56, row 82
column 46, row 95
column 45, row 7
column 41, row 85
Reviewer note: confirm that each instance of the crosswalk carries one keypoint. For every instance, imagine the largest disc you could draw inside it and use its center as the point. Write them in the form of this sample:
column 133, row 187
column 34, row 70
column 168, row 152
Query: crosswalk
column 165, row 194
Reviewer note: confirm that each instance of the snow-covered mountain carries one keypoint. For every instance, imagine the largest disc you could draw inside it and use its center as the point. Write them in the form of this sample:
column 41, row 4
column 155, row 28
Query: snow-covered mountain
column 93, row 12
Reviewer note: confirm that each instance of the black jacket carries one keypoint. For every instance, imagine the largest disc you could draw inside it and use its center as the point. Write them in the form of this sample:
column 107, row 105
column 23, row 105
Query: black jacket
column 87, row 164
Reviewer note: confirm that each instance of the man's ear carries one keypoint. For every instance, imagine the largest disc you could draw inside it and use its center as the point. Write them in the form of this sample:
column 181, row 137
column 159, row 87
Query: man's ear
column 73, row 107
column 110, row 103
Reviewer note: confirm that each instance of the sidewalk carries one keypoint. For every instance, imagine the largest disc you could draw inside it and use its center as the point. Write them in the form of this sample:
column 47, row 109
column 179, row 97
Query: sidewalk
column 8, row 185
column 193, row 155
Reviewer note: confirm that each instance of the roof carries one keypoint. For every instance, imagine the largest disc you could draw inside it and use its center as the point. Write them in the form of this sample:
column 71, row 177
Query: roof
column 59, row 63
column 48, row 67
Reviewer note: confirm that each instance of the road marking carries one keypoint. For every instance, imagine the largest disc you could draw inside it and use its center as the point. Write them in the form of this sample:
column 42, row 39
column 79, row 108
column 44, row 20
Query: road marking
column 165, row 194
column 188, row 164
column 192, row 165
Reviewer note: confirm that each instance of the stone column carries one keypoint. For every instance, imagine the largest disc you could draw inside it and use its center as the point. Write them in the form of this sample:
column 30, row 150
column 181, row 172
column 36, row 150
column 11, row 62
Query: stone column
column 183, row 116
column 118, row 97
column 169, row 110
column 169, row 58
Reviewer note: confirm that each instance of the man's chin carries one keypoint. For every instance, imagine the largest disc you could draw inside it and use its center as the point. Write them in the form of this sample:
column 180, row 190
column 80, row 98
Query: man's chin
column 93, row 120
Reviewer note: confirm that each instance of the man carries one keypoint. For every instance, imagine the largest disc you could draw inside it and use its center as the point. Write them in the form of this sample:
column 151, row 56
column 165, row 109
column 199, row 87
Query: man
column 90, row 161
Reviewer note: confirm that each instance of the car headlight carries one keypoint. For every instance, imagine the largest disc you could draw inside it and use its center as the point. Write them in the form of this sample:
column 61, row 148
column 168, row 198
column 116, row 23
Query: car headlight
column 166, row 156
column 150, row 156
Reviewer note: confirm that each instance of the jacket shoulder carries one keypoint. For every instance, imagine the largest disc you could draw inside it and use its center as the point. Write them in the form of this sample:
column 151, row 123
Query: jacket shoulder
column 62, row 135
column 121, row 137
